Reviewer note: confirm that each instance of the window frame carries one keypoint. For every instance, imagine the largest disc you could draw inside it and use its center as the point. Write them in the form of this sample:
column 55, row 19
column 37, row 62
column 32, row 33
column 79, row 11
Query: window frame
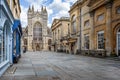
column 1, row 46
column 118, row 9
column 87, row 23
column 74, row 25
column 4, row 45
column 100, row 32
column 100, row 17
column 14, row 46
column 37, row 32
column 85, row 45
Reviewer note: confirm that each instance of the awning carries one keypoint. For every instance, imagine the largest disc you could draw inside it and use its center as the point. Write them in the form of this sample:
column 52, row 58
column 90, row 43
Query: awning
column 65, row 41
column 71, row 41
column 17, row 25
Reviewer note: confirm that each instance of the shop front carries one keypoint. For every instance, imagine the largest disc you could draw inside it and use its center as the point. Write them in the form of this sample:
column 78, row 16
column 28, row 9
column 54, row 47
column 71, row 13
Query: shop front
column 17, row 33
column 6, row 21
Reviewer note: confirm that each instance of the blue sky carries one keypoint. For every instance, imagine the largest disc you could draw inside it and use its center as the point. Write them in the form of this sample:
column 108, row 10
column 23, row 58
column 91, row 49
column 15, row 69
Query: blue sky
column 55, row 8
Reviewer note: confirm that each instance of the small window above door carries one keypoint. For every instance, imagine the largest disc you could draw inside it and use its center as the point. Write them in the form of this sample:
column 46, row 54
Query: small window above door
column 118, row 10
column 119, row 30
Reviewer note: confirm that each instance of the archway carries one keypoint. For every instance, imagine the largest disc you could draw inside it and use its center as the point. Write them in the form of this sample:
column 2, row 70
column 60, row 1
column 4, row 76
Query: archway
column 37, row 47
column 5, row 46
column 118, row 42
column 49, row 44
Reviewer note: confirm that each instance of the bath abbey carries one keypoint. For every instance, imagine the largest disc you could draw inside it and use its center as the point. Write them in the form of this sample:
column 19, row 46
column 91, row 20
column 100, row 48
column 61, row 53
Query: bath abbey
column 37, row 32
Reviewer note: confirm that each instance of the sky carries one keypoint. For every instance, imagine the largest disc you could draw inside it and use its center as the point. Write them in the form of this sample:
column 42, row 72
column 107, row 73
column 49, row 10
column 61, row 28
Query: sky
column 55, row 9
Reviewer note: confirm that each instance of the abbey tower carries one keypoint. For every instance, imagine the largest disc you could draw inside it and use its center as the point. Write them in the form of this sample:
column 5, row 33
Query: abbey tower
column 37, row 38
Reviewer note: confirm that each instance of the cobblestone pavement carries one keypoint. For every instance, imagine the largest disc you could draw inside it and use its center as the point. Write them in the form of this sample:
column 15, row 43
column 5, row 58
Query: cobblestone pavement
column 60, row 66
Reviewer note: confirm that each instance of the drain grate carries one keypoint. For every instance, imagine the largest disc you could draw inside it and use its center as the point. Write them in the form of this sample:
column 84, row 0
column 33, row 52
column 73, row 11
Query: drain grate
column 12, row 70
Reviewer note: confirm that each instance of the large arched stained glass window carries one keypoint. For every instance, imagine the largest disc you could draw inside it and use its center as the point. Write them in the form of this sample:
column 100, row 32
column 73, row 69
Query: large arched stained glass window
column 37, row 32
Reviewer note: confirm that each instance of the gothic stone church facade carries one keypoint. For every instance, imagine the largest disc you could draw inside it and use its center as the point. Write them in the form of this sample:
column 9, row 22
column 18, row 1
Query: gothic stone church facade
column 37, row 38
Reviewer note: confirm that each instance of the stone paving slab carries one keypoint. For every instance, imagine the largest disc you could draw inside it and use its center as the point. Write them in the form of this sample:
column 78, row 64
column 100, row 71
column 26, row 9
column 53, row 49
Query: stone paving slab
column 59, row 66
column 24, row 73
column 46, row 73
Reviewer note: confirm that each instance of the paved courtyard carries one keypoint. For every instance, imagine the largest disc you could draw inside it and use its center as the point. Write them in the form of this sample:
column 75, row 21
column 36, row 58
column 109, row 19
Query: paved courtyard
column 61, row 66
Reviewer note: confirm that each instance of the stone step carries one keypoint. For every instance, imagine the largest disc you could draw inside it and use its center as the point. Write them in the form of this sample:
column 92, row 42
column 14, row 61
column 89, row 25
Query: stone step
column 12, row 70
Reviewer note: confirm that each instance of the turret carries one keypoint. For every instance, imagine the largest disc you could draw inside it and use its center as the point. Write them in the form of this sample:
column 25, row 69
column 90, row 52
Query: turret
column 45, row 16
column 29, row 13
column 32, row 8
column 45, row 11
column 42, row 8
column 29, row 9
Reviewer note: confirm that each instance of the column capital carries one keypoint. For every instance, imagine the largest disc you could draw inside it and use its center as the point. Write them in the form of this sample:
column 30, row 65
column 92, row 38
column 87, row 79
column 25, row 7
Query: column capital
column 109, row 5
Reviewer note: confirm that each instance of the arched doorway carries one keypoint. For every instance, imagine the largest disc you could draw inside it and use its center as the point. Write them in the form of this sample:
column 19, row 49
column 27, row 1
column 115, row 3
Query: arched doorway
column 49, row 44
column 37, row 47
column 118, row 42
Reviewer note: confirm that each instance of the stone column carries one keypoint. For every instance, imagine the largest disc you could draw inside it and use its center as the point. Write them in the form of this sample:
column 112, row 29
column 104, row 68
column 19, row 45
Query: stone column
column 108, row 28
column 92, row 30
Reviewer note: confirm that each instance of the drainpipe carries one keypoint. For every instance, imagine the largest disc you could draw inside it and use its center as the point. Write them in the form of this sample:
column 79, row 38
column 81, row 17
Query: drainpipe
column 80, row 30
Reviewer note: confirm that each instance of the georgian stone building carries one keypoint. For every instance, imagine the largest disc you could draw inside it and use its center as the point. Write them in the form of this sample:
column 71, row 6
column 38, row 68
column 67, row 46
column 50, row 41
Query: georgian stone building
column 37, row 30
column 59, row 33
column 105, row 28
column 24, row 39
column 98, row 25
column 74, row 35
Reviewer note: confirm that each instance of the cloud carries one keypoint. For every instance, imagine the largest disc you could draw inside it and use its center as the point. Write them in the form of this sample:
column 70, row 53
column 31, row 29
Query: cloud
column 23, row 16
column 58, row 5
column 50, row 11
column 35, row 1
column 55, row 8
column 49, row 25
column 62, row 13
column 60, row 9
column 70, row 1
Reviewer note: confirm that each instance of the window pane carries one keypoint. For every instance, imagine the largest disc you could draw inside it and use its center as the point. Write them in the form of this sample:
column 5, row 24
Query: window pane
column 100, row 17
column 86, row 41
column 1, row 34
column 37, row 32
column 118, row 10
column 119, row 30
column 86, row 24
column 74, row 24
column 101, row 43
column 4, row 44
column 14, row 42
column 0, row 51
